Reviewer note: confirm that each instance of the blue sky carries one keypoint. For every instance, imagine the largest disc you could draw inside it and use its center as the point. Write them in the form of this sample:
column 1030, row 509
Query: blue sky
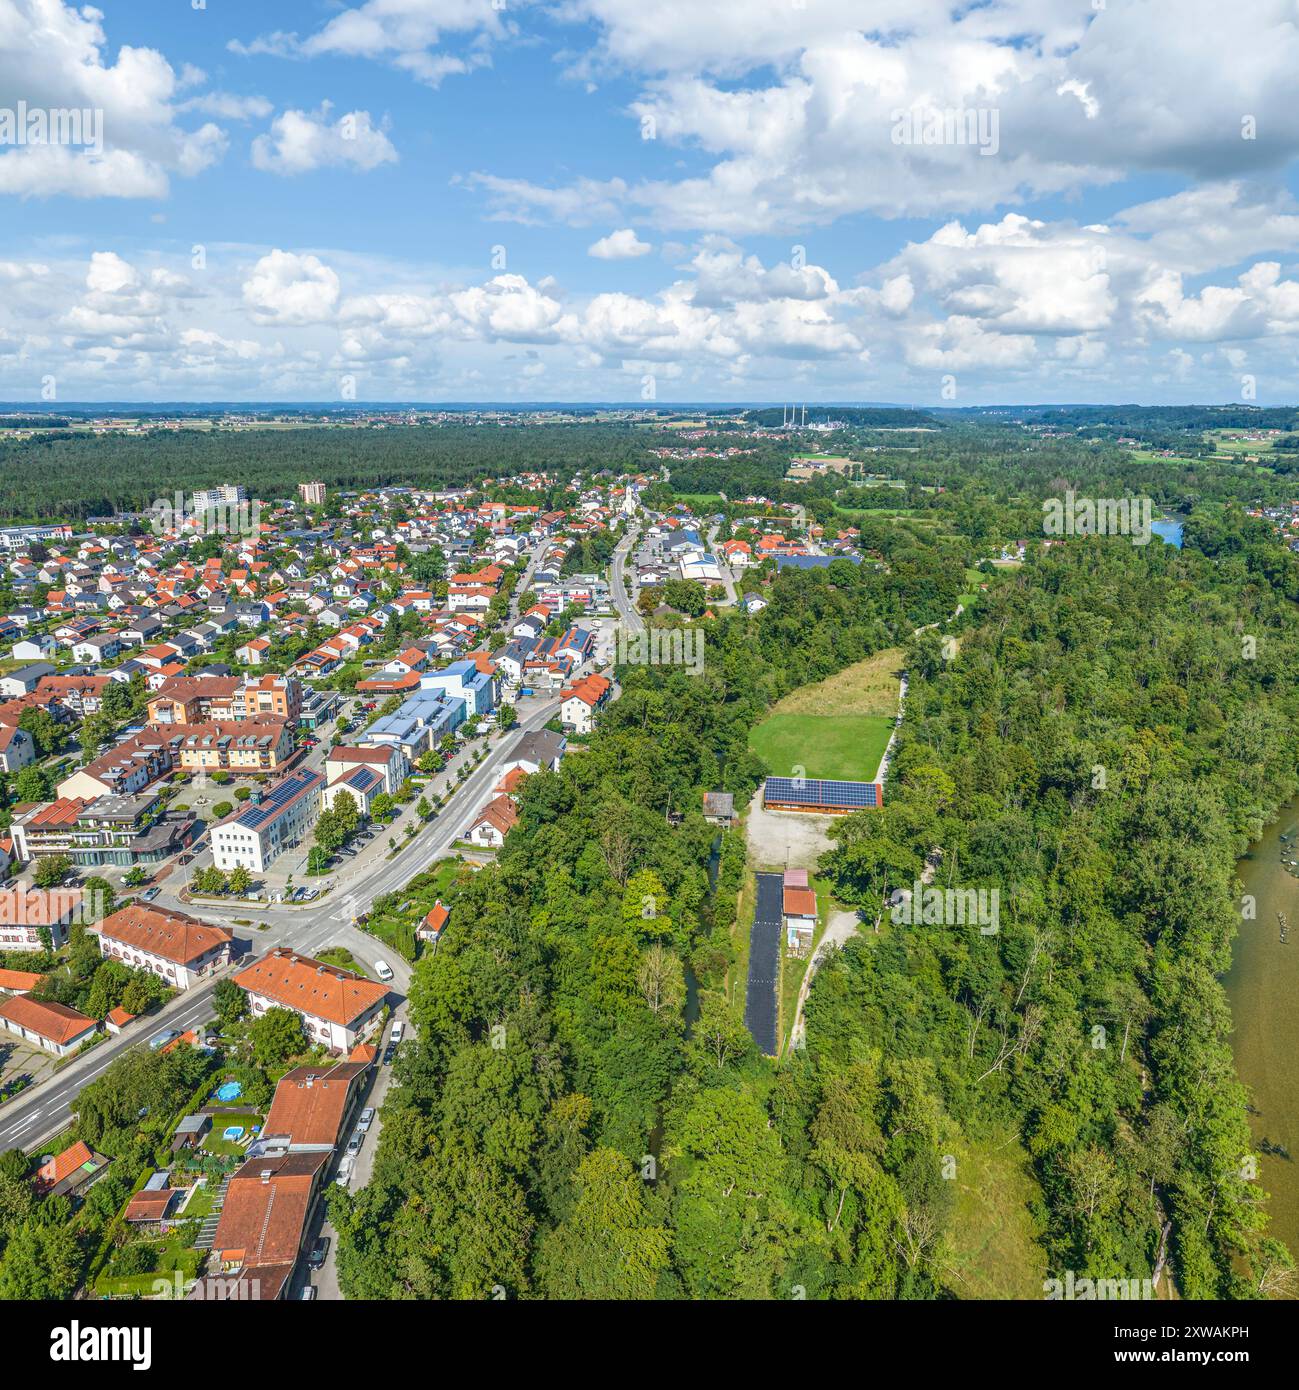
column 446, row 200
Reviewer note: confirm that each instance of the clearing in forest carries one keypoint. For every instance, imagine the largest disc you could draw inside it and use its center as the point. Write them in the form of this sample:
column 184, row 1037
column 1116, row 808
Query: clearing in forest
column 995, row 1241
column 866, row 687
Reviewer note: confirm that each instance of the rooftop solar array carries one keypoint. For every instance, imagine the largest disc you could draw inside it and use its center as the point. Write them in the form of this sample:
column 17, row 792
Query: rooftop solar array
column 254, row 817
column 814, row 791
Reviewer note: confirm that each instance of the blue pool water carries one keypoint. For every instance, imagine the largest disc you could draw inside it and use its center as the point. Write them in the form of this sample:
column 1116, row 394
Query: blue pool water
column 229, row 1090
column 234, row 1133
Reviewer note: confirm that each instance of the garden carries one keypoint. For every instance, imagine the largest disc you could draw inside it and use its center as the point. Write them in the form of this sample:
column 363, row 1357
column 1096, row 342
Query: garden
column 395, row 917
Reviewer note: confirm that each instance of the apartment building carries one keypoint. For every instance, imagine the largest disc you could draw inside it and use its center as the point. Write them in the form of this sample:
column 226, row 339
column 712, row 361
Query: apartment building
column 125, row 770
column 225, row 699
column 17, row 748
column 179, row 949
column 267, row 697
column 190, row 699
column 388, row 759
column 336, row 1006
column 116, row 830
column 264, row 829
column 236, row 746
column 272, row 1198
column 31, row 916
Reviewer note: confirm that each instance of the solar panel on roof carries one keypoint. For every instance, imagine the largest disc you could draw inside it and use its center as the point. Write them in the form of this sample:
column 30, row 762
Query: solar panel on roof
column 815, row 791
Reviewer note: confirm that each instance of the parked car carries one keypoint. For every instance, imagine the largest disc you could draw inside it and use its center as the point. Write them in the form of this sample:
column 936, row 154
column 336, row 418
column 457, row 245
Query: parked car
column 354, row 1143
column 344, row 1175
column 162, row 1039
column 384, row 971
column 366, row 1120
column 389, row 1053
column 398, row 1032
column 308, row 1293
column 319, row 1253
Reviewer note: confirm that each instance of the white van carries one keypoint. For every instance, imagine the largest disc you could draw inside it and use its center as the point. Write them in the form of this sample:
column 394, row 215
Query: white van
column 383, row 970
column 398, row 1032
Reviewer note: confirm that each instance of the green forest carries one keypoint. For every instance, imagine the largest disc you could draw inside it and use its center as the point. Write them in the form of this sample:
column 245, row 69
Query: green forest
column 584, row 1114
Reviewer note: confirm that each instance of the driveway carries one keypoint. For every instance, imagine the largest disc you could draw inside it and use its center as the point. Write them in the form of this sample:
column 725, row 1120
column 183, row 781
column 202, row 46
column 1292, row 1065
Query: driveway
column 326, row 1278
column 786, row 839
column 842, row 927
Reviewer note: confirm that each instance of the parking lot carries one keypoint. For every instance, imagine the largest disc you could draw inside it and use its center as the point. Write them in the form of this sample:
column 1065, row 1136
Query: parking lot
column 18, row 1058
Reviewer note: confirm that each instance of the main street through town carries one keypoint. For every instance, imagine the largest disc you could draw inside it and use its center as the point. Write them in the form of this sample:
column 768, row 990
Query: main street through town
column 44, row 1110
column 617, row 581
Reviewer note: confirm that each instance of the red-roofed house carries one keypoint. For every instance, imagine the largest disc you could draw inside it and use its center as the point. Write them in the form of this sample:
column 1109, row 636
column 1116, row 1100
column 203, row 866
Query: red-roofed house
column 70, row 1172
column 179, row 949
column 579, row 702
column 431, row 927
column 19, row 981
column 800, row 911
column 336, row 1005
column 493, row 823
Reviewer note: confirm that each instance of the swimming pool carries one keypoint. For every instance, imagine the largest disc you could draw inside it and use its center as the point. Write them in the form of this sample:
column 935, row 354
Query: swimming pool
column 229, row 1090
column 233, row 1133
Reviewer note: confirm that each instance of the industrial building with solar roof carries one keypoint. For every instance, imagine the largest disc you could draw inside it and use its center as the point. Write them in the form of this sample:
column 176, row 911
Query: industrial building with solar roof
column 828, row 798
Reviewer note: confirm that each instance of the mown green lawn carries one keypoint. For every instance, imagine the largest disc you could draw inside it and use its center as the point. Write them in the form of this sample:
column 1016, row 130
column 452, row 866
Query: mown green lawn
column 215, row 1143
column 846, row 746
column 173, row 1256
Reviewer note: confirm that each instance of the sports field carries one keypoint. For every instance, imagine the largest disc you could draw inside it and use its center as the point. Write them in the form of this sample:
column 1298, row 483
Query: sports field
column 844, row 746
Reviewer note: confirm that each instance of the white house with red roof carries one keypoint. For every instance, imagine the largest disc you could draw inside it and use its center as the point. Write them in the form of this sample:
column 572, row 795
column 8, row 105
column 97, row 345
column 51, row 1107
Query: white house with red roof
column 179, row 949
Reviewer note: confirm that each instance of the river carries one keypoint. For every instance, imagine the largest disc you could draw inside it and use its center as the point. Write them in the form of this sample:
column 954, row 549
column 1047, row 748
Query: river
column 1169, row 530
column 1262, row 988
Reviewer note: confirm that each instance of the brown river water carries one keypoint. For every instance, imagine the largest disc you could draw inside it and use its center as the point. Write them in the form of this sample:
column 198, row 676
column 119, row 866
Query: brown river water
column 1263, row 990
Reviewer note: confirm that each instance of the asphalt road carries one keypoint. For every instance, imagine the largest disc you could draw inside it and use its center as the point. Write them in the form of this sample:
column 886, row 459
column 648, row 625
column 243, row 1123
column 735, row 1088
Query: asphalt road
column 326, row 1278
column 764, row 962
column 728, row 578
column 617, row 584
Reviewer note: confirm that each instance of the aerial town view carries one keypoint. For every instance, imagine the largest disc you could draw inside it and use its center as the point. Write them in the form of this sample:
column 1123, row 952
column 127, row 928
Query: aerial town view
column 648, row 653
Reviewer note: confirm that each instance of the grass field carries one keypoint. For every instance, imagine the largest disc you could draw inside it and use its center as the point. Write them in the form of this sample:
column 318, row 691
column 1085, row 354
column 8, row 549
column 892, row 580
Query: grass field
column 973, row 578
column 700, row 501
column 995, row 1246
column 847, row 746
column 866, row 687
column 1220, row 441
